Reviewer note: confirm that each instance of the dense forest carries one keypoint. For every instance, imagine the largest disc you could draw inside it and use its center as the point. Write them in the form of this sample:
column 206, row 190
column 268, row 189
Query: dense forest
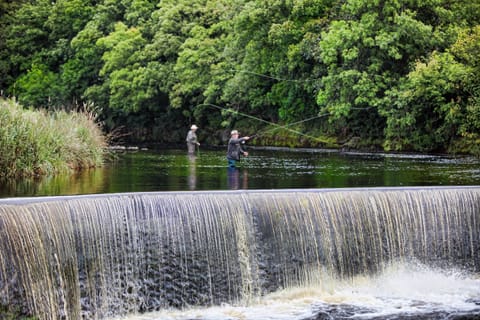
column 396, row 75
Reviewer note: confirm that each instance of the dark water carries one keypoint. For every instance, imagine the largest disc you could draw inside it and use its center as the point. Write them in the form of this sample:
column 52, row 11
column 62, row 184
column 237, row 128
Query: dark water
column 174, row 170
column 400, row 293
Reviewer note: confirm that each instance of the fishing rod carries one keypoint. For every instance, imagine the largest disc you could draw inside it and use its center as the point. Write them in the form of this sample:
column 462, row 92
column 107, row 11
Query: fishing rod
column 277, row 126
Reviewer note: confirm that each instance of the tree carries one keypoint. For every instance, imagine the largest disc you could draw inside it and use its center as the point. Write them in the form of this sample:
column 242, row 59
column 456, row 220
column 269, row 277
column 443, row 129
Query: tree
column 121, row 69
column 437, row 107
column 38, row 41
column 38, row 87
column 81, row 70
column 367, row 50
column 272, row 50
column 26, row 38
column 374, row 67
column 7, row 11
column 201, row 69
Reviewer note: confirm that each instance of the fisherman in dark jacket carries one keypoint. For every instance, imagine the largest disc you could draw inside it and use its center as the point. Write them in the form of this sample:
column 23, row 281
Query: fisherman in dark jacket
column 235, row 149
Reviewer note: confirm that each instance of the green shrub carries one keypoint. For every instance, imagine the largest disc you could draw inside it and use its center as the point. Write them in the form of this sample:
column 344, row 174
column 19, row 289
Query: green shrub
column 40, row 142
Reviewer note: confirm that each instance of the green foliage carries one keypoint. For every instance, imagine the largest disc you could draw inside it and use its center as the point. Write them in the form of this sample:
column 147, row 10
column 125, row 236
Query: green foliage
column 38, row 43
column 26, row 35
column 38, row 87
column 437, row 105
column 403, row 71
column 272, row 48
column 82, row 69
column 367, row 55
column 67, row 18
column 38, row 143
column 122, row 68
column 138, row 12
column 7, row 8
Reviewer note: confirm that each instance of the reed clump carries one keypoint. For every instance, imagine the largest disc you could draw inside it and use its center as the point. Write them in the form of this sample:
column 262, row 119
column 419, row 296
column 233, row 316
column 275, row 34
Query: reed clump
column 37, row 142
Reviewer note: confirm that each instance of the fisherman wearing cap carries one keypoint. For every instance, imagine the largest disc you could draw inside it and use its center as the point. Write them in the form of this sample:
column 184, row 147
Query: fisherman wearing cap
column 235, row 148
column 191, row 139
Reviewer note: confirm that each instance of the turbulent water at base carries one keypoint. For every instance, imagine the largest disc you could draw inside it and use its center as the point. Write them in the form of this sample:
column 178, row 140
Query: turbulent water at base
column 389, row 253
column 401, row 291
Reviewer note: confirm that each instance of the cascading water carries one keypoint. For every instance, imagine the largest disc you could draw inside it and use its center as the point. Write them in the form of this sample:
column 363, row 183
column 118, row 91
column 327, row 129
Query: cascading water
column 96, row 257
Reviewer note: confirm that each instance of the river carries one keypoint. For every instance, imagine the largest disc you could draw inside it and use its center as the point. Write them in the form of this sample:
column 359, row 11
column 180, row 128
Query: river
column 174, row 170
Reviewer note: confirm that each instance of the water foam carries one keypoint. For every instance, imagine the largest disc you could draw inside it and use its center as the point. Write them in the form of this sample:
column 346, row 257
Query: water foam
column 401, row 290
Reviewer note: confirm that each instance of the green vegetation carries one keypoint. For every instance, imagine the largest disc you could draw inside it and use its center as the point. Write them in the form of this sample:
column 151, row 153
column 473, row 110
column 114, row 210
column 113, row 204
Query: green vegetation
column 36, row 142
column 395, row 75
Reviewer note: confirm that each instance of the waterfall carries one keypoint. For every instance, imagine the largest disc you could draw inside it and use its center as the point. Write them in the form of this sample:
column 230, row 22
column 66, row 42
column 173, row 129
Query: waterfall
column 98, row 256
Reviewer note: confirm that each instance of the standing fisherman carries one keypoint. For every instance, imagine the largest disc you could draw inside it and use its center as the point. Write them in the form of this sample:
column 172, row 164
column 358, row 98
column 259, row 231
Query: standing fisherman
column 191, row 139
column 235, row 149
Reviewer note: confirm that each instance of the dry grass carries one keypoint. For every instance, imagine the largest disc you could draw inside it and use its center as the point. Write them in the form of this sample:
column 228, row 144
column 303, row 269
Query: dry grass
column 40, row 142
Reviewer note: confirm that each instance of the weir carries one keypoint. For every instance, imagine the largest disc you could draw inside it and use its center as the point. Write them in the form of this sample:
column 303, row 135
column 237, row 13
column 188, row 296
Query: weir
column 98, row 256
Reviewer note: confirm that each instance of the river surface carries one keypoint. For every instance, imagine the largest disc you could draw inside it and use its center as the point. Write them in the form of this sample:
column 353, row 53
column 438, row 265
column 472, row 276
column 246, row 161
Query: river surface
column 403, row 291
column 174, row 170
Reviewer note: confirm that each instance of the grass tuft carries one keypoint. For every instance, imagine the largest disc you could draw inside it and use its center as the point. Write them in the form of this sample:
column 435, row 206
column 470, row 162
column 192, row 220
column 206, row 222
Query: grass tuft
column 37, row 142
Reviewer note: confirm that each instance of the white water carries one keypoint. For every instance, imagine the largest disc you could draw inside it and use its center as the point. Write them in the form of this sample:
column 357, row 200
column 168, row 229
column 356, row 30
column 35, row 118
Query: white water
column 402, row 289
column 104, row 256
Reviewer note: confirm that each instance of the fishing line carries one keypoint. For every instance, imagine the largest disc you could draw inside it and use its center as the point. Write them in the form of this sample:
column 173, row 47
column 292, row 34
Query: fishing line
column 285, row 127
column 297, row 122
column 277, row 126
column 291, row 80
column 273, row 78
column 234, row 111
column 308, row 119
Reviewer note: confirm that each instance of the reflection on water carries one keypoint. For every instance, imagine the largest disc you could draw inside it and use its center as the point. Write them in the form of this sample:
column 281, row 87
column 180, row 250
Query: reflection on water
column 192, row 173
column 237, row 178
column 174, row 170
column 83, row 182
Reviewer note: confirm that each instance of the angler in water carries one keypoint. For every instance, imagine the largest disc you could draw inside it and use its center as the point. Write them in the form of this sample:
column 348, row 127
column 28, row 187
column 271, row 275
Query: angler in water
column 235, row 149
column 192, row 141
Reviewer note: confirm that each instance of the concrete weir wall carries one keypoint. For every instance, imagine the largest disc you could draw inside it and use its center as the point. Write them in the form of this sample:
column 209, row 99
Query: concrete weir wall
column 95, row 256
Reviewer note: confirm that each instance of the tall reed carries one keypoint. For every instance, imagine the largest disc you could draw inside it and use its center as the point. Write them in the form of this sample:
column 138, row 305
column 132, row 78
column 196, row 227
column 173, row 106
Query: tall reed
column 37, row 142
